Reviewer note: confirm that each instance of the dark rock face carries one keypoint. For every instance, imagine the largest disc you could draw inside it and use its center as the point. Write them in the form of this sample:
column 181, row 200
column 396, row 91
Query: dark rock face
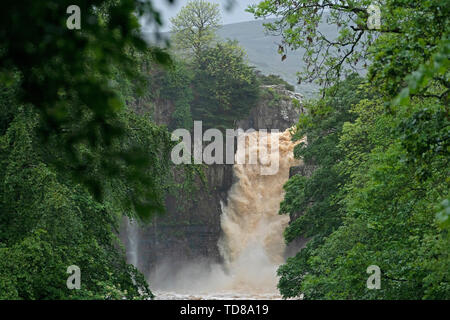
column 191, row 231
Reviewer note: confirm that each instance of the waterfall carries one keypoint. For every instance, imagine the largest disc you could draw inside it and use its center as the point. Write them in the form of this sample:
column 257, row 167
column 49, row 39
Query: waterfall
column 252, row 244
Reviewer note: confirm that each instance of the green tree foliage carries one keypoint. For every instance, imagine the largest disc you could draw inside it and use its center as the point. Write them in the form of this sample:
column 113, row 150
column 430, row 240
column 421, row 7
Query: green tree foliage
column 314, row 202
column 380, row 149
column 75, row 156
column 48, row 223
column 194, row 28
column 174, row 84
column 65, row 75
column 390, row 218
column 225, row 86
column 375, row 202
column 409, row 34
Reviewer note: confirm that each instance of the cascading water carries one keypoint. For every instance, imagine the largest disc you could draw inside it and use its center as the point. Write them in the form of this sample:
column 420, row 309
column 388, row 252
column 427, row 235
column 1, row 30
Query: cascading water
column 252, row 245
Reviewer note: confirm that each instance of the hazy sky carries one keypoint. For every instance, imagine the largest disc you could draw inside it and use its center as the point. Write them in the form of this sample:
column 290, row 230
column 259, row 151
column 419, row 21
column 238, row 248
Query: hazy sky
column 236, row 14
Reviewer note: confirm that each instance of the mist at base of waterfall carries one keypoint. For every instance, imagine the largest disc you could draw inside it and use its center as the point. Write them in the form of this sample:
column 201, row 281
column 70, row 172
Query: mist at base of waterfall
column 252, row 276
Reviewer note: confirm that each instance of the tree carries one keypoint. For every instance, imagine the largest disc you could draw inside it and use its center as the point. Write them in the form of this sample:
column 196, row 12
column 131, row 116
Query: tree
column 225, row 86
column 48, row 223
column 194, row 28
column 379, row 194
column 390, row 216
column 66, row 75
column 75, row 156
column 371, row 199
column 415, row 28
column 313, row 202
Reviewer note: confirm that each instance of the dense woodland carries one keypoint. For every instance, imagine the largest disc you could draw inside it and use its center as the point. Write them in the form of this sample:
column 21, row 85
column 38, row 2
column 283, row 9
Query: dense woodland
column 80, row 148
column 379, row 145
